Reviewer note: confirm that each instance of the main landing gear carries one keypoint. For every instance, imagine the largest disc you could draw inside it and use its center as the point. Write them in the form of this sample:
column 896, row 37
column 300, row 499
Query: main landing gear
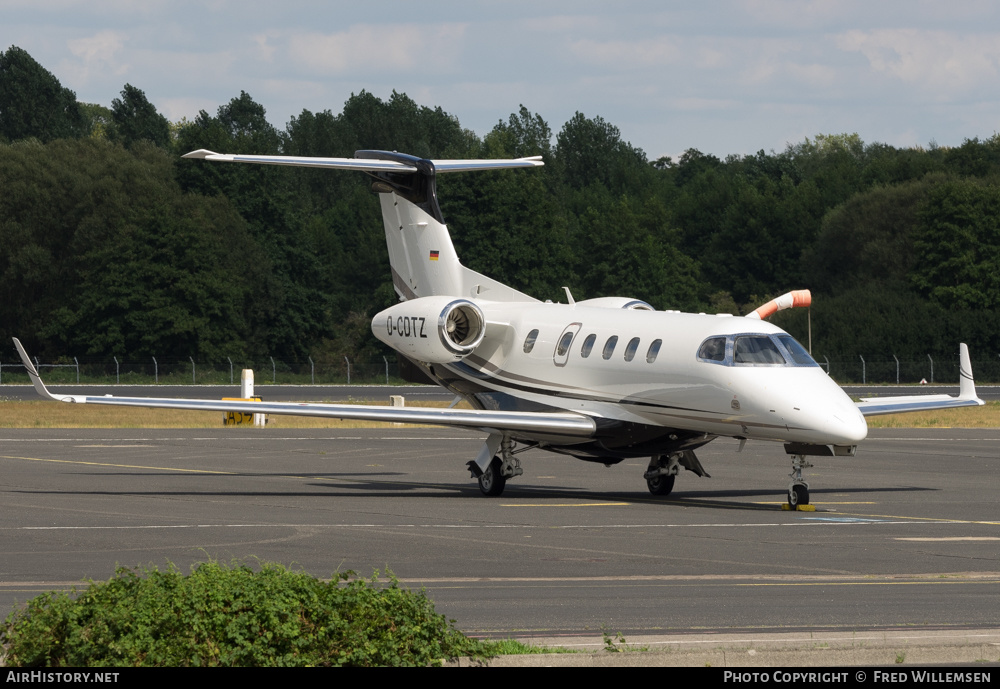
column 492, row 481
column 663, row 470
column 501, row 467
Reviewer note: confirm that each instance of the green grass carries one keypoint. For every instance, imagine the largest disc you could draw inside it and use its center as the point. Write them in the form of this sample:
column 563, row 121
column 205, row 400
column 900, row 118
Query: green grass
column 513, row 647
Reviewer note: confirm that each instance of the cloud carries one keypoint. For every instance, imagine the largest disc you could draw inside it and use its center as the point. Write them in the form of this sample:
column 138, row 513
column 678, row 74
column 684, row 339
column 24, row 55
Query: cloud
column 795, row 14
column 941, row 61
column 185, row 107
column 647, row 53
column 97, row 55
column 566, row 24
column 265, row 51
column 393, row 48
column 702, row 104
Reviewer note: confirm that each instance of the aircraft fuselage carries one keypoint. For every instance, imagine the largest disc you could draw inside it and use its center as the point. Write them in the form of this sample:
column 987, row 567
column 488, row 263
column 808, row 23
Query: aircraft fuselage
column 645, row 370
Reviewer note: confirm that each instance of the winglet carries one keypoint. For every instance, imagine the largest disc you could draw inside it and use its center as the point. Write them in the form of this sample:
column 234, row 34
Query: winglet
column 966, row 384
column 36, row 379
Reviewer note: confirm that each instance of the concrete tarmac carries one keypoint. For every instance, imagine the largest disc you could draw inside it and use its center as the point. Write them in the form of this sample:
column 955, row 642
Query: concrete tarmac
column 904, row 542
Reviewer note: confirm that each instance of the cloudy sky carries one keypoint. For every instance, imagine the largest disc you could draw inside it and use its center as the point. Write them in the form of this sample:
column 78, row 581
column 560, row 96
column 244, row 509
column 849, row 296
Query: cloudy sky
column 723, row 76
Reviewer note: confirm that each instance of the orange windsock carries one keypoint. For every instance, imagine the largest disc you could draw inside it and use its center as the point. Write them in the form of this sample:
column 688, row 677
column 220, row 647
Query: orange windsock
column 799, row 297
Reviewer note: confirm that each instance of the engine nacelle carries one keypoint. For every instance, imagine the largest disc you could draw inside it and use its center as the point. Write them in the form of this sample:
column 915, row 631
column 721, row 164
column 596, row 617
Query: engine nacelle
column 437, row 330
column 616, row 303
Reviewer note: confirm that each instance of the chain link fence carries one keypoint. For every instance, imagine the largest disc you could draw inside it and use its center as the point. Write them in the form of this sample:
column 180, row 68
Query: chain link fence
column 852, row 369
column 179, row 371
column 941, row 370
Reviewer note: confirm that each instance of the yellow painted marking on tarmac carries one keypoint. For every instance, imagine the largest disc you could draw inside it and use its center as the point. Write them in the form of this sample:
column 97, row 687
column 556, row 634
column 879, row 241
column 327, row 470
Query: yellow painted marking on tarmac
column 118, row 466
column 954, row 538
column 567, row 504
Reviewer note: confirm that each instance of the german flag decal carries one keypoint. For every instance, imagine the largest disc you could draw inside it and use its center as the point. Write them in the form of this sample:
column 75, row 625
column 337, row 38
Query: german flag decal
column 434, row 255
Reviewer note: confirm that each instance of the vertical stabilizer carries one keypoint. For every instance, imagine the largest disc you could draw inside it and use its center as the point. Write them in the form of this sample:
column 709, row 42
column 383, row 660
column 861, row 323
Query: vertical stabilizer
column 422, row 256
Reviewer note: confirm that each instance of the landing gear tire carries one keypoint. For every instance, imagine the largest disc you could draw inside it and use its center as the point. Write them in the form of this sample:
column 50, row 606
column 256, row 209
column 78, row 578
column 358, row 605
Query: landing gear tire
column 798, row 495
column 491, row 482
column 660, row 485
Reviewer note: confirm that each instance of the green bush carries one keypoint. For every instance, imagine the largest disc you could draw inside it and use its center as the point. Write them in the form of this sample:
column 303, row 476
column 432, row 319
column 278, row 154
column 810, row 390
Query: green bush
column 232, row 615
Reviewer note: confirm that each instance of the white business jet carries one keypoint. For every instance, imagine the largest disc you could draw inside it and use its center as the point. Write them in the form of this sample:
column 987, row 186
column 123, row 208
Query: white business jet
column 602, row 380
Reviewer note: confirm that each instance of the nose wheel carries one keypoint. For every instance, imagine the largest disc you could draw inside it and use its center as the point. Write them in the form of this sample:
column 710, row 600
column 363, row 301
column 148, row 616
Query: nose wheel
column 798, row 494
column 798, row 489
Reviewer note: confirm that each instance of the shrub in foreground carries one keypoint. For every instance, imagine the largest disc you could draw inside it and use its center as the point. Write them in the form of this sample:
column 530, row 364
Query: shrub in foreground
column 232, row 615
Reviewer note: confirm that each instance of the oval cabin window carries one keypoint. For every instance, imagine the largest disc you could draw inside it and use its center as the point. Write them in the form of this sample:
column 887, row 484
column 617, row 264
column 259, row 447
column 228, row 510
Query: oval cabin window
column 529, row 341
column 630, row 350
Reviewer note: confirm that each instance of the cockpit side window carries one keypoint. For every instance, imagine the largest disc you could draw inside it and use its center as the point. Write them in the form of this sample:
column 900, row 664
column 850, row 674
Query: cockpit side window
column 529, row 341
column 713, row 349
column 756, row 349
column 795, row 350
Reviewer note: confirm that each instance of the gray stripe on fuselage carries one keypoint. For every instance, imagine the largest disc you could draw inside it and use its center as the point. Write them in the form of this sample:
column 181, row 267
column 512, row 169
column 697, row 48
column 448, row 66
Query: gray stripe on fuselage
column 400, row 284
column 570, row 392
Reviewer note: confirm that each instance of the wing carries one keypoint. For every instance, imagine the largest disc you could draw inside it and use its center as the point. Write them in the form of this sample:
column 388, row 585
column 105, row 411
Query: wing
column 967, row 397
column 527, row 423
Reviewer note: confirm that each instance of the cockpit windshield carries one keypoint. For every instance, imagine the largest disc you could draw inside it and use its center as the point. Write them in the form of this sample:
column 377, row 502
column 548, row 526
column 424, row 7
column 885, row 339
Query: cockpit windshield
column 754, row 349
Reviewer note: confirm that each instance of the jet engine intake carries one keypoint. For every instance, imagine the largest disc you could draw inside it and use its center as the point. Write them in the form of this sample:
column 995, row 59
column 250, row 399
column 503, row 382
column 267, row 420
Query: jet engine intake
column 436, row 330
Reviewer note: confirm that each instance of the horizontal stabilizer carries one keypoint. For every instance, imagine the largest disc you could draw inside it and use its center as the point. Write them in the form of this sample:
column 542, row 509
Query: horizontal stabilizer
column 296, row 161
column 367, row 164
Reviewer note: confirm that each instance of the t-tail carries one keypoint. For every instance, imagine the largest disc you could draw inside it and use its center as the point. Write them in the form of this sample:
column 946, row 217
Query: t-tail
column 423, row 258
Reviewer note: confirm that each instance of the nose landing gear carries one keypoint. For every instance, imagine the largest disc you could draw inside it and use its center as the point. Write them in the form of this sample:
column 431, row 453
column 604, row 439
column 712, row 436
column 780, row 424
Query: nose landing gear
column 798, row 489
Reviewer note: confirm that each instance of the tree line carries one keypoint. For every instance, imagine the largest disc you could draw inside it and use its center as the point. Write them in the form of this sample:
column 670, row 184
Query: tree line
column 113, row 245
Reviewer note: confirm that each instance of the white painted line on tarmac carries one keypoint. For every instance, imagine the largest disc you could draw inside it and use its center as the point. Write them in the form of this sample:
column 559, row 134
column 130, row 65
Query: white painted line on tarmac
column 227, row 438
column 568, row 504
column 526, row 527
column 950, row 440
column 953, row 538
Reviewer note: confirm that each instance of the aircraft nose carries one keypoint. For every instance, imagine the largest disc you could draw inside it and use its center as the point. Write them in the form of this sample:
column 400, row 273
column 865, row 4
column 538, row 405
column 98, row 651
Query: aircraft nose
column 831, row 414
column 831, row 420
column 849, row 426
